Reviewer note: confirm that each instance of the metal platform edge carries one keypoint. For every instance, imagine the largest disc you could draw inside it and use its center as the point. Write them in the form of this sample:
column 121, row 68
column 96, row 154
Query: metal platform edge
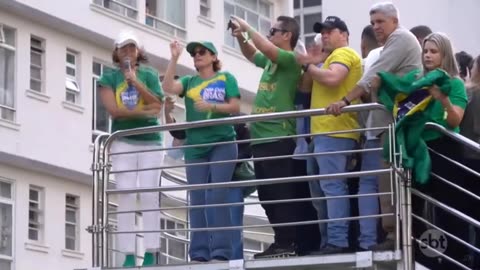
column 352, row 260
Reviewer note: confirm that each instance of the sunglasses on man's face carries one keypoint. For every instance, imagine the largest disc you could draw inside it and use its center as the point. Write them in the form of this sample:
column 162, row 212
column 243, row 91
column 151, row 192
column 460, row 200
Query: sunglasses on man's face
column 201, row 51
column 274, row 30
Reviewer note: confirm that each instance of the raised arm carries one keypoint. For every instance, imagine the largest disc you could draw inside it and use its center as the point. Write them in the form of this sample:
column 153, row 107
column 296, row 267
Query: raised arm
column 260, row 42
column 169, row 84
column 248, row 50
column 392, row 56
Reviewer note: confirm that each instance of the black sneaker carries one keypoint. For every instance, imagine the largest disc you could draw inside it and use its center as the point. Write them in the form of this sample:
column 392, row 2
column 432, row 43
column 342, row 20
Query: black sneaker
column 331, row 249
column 277, row 251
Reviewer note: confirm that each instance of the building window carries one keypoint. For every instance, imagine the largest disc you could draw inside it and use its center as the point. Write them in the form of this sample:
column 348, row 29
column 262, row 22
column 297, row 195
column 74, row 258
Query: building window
column 307, row 13
column 306, row 3
column 205, row 8
column 71, row 222
column 36, row 63
column 167, row 16
column 71, row 82
column 7, row 76
column 6, row 224
column 258, row 13
column 173, row 251
column 100, row 118
column 127, row 8
column 35, row 214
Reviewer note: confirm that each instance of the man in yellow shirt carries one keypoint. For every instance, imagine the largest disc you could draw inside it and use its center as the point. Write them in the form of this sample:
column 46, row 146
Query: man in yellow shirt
column 340, row 72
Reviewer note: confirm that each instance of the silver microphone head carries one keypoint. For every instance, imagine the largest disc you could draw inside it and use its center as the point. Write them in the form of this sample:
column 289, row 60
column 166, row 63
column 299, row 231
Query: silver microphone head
column 127, row 64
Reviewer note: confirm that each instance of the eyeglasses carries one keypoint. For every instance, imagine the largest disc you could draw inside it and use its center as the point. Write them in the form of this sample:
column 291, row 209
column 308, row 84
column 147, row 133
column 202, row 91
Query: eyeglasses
column 274, row 30
column 201, row 51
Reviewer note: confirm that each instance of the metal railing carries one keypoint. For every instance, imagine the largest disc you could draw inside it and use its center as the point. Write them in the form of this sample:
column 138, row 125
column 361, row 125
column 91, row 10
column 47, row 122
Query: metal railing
column 102, row 169
column 435, row 203
column 118, row 7
column 165, row 26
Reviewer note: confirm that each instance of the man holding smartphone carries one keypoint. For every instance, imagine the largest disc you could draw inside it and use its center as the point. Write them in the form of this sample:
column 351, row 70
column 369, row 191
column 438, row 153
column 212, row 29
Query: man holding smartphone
column 276, row 93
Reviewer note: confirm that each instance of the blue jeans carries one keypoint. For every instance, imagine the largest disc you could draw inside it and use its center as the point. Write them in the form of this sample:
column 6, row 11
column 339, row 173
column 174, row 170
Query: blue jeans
column 317, row 192
column 211, row 244
column 369, row 205
column 236, row 213
column 337, row 232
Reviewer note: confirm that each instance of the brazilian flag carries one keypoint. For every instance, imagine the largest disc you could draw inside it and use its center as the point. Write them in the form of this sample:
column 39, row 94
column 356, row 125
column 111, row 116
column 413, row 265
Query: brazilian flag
column 410, row 102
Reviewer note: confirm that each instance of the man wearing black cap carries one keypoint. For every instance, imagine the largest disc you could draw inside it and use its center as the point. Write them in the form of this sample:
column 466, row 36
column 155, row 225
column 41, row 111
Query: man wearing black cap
column 340, row 72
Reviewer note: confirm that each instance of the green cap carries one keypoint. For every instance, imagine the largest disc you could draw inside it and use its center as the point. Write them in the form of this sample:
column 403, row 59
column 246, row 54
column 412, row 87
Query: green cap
column 207, row 44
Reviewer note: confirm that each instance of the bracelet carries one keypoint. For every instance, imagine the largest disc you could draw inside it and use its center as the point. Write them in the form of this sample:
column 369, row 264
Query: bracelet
column 344, row 99
column 247, row 35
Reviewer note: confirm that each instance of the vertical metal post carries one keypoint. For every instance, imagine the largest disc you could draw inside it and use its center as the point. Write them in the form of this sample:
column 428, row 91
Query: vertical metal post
column 408, row 206
column 403, row 219
column 106, row 176
column 95, row 262
column 96, row 228
column 406, row 220
column 395, row 185
column 187, row 219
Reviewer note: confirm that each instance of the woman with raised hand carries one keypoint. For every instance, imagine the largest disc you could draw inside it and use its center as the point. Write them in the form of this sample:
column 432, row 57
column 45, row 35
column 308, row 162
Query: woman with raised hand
column 209, row 94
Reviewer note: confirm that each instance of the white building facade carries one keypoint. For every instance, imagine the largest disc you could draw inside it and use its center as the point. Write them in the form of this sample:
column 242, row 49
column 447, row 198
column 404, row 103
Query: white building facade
column 51, row 54
column 457, row 19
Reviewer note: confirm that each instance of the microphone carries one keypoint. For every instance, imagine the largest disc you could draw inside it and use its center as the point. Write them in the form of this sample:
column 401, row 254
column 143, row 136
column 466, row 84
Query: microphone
column 127, row 64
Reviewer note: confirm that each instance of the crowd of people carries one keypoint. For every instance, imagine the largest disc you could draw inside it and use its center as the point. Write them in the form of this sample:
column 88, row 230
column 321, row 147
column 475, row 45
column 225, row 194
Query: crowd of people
column 328, row 74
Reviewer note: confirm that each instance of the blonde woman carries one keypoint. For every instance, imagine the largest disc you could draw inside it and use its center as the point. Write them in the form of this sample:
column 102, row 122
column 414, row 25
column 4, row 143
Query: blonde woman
column 448, row 111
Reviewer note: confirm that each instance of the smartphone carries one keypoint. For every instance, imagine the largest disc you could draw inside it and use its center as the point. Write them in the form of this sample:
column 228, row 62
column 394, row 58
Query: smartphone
column 231, row 25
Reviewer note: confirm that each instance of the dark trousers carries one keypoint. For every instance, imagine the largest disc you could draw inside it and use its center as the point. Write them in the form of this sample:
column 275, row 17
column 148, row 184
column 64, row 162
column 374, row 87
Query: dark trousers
column 308, row 236
column 448, row 195
column 277, row 168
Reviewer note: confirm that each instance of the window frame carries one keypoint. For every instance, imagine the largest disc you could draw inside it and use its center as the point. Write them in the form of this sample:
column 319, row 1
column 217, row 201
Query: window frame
column 40, row 51
column 72, row 92
column 124, row 8
column 301, row 12
column 261, row 19
column 10, row 201
column 207, row 5
column 156, row 21
column 76, row 208
column 95, row 78
column 11, row 48
column 40, row 213
column 165, row 246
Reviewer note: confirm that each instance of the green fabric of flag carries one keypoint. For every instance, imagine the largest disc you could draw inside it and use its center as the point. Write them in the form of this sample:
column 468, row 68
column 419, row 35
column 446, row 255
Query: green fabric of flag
column 409, row 101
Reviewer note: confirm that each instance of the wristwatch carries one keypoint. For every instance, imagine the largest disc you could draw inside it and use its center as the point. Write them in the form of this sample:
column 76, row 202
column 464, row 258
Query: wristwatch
column 344, row 99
